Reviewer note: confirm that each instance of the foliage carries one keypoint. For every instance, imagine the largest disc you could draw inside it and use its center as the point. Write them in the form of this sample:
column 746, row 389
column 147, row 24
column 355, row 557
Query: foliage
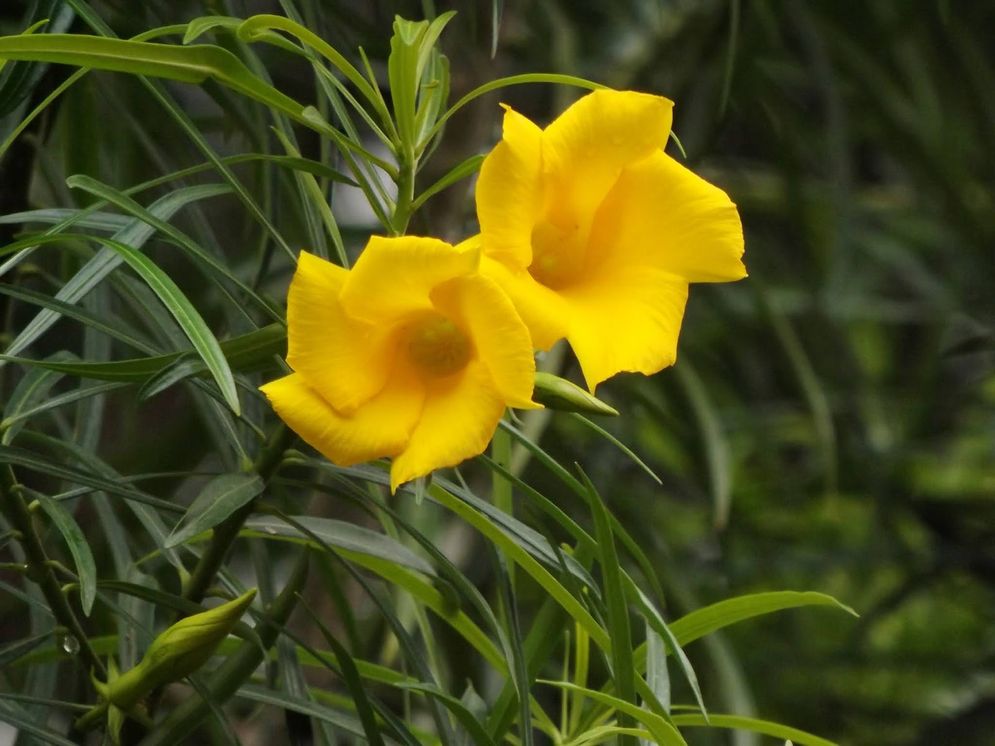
column 828, row 425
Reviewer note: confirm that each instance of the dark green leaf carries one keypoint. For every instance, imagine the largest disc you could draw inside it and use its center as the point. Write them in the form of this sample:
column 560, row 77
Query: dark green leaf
column 341, row 535
column 86, row 568
column 221, row 497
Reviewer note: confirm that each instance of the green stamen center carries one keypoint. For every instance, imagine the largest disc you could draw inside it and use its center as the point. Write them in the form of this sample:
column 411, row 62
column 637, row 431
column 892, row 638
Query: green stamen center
column 438, row 347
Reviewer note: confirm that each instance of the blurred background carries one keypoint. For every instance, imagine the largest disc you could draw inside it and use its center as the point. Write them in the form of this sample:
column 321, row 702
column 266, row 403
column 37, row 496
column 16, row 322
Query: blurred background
column 830, row 425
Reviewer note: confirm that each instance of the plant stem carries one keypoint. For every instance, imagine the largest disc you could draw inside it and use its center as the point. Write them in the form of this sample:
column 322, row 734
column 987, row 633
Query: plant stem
column 227, row 531
column 406, row 168
column 15, row 510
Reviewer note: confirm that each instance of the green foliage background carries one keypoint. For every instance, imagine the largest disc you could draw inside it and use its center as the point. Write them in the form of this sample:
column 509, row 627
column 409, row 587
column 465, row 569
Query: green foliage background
column 830, row 424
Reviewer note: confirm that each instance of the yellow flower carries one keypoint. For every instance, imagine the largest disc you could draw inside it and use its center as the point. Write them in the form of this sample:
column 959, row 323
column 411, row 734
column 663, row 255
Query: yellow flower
column 411, row 354
column 595, row 233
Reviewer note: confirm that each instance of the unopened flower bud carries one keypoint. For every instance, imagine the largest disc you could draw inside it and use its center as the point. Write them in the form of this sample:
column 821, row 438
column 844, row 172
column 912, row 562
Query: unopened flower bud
column 178, row 652
column 558, row 393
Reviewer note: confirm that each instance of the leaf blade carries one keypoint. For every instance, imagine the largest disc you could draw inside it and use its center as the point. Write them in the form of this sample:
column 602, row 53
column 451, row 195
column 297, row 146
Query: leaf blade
column 221, row 497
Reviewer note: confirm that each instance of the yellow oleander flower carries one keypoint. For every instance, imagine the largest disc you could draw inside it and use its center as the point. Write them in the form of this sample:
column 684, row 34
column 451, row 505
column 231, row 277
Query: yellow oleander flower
column 594, row 232
column 411, row 354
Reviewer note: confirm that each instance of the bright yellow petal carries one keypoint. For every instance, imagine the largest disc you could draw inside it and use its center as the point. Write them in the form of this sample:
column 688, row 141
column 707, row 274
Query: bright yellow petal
column 393, row 277
column 590, row 143
column 500, row 338
column 661, row 214
column 345, row 360
column 508, row 191
column 544, row 312
column 626, row 321
column 381, row 427
column 456, row 423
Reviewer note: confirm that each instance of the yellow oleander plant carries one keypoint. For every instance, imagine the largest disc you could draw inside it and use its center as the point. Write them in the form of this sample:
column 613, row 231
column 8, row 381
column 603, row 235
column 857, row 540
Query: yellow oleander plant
column 399, row 358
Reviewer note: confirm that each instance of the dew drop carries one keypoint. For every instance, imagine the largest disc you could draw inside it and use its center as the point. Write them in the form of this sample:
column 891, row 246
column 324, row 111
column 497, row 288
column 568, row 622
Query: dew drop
column 70, row 645
column 271, row 531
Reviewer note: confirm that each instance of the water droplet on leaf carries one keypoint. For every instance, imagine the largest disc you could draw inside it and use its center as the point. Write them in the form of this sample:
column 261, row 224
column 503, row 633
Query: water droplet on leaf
column 70, row 645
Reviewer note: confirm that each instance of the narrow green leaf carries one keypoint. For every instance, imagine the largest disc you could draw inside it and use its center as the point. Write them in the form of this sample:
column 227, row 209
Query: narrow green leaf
column 14, row 715
column 247, row 352
column 466, row 718
column 186, row 316
column 200, row 26
column 117, row 198
column 86, row 567
column 620, row 634
column 343, row 536
column 618, row 444
column 754, row 725
column 661, row 628
column 97, row 221
column 250, row 31
column 18, row 648
column 664, row 733
column 457, row 173
column 82, row 393
column 494, row 85
column 182, row 368
column 188, row 64
column 350, row 674
column 30, row 460
column 577, row 488
column 220, row 497
column 706, row 620
column 586, row 542
column 106, row 260
column 109, row 324
column 346, row 722
column 657, row 675
column 34, row 386
column 525, row 560
column 527, row 538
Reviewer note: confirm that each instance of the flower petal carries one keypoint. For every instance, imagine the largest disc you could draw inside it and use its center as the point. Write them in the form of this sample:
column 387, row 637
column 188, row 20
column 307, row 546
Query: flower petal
column 589, row 144
column 394, row 276
column 508, row 191
column 457, row 423
column 381, row 427
column 500, row 338
column 345, row 360
column 626, row 321
column 544, row 312
column 661, row 214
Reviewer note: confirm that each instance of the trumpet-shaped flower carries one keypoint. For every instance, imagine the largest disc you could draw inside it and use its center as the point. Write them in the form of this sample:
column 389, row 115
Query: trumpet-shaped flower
column 594, row 232
column 411, row 354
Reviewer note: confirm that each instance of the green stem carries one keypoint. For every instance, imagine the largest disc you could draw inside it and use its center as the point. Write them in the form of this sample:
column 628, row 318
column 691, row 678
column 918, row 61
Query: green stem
column 226, row 532
column 15, row 510
column 406, row 170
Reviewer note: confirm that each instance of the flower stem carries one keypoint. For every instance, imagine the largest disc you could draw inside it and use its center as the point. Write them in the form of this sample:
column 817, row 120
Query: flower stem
column 39, row 569
column 227, row 531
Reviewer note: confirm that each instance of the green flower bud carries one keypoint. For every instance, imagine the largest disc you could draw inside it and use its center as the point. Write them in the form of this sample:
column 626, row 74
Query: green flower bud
column 178, row 652
column 558, row 393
